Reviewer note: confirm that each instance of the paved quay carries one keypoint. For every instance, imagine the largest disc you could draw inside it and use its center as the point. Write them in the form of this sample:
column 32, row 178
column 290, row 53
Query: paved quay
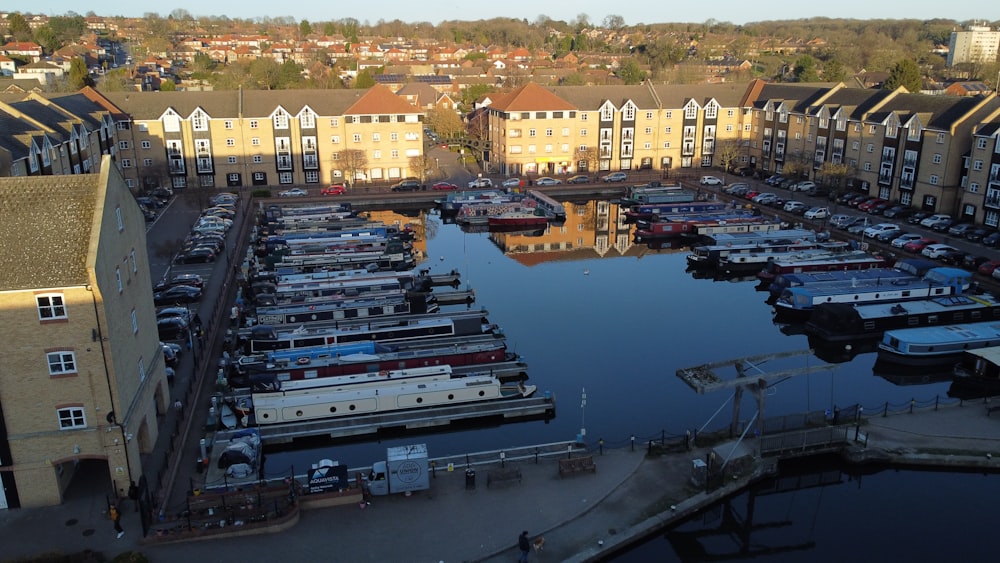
column 583, row 517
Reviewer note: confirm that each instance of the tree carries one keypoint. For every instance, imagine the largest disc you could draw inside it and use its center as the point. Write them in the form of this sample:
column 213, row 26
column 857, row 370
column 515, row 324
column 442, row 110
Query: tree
column 585, row 159
column 79, row 76
column 355, row 162
column 906, row 73
column 445, row 122
column 833, row 71
column 421, row 164
column 805, row 69
column 305, row 29
column 18, row 27
column 614, row 22
column 266, row 72
column 834, row 173
column 168, row 85
column 728, row 153
column 364, row 80
column 630, row 73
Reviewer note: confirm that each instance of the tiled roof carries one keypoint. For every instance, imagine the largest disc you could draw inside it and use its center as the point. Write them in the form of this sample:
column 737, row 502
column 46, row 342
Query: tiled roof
column 531, row 97
column 380, row 100
column 45, row 230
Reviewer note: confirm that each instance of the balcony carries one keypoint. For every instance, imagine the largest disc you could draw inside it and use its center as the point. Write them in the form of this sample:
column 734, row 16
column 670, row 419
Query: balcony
column 992, row 201
column 204, row 165
column 708, row 147
column 176, row 167
column 885, row 179
column 910, row 162
column 779, row 155
column 887, row 158
column 310, row 162
column 906, row 182
column 687, row 149
column 284, row 163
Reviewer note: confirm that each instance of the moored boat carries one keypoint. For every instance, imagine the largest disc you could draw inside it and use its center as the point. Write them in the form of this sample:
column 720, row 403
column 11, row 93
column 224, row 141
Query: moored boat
column 977, row 372
column 844, row 322
column 678, row 225
column 648, row 211
column 902, row 269
column 837, row 260
column 519, row 218
column 935, row 345
column 795, row 304
column 321, row 403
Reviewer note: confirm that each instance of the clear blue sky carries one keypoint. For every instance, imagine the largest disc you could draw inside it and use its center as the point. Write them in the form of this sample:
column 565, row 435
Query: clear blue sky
column 434, row 11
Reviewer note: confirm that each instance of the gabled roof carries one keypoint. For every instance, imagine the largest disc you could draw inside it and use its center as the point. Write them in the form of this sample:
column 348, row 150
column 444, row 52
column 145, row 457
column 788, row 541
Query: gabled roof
column 531, row 97
column 380, row 100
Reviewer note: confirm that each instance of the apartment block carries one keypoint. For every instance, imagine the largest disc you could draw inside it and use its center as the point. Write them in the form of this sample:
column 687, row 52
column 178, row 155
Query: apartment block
column 575, row 129
column 977, row 44
column 981, row 182
column 262, row 138
column 894, row 145
column 82, row 372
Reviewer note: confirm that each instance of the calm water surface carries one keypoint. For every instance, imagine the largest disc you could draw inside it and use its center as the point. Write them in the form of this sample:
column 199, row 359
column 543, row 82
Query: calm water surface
column 616, row 324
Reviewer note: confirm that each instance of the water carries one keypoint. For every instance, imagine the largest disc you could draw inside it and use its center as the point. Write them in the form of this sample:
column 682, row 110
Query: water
column 616, row 324
column 839, row 515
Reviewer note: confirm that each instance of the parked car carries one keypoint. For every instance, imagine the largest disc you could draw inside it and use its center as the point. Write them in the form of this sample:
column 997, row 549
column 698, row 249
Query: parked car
column 954, row 257
column 406, row 186
column 918, row 245
column 512, row 183
column 194, row 280
column 444, row 186
column 991, row 240
column 977, row 234
column 216, row 211
column 882, row 231
column 818, row 191
column 879, row 208
column 898, row 212
column 817, row 213
column 972, row 262
column 547, row 181
column 765, row 198
column 198, row 254
column 859, row 227
column 578, row 179
column 937, row 250
column 733, row 187
column 803, row 186
column 224, row 197
column 294, row 192
column 903, row 239
column 838, row 218
column 987, row 268
column 853, row 220
column 172, row 328
column 334, row 189
column 177, row 294
column 961, row 229
column 796, row 207
column 616, row 177
column 869, row 203
column 857, row 200
column 750, row 194
column 481, row 183
column 938, row 221
column 710, row 181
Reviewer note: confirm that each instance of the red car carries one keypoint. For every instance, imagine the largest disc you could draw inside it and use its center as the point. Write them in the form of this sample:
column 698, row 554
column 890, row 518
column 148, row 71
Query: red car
column 867, row 205
column 335, row 189
column 918, row 245
column 986, row 268
column 447, row 186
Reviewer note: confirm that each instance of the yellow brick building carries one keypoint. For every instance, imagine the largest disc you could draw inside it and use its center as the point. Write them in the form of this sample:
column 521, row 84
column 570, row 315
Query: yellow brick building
column 81, row 369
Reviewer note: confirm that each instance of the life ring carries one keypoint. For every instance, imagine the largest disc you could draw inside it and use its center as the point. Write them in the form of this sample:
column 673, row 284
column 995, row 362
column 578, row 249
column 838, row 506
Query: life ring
column 384, row 373
column 302, row 361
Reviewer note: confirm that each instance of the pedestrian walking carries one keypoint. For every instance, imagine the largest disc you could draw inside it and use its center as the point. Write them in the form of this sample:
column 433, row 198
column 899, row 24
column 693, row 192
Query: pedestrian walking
column 524, row 546
column 116, row 517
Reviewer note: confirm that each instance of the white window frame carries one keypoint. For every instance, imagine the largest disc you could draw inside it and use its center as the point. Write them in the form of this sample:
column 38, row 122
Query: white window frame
column 118, row 279
column 146, row 145
column 135, row 322
column 71, row 418
column 50, row 306
column 61, row 362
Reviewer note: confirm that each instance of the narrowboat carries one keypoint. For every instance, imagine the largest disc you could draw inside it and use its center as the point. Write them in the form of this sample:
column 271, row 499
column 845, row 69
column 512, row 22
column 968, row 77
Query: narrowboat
column 321, row 402
column 835, row 261
column 935, row 345
column 648, row 211
column 977, row 372
column 678, row 225
column 795, row 304
column 902, row 269
column 518, row 218
column 836, row 322
column 710, row 256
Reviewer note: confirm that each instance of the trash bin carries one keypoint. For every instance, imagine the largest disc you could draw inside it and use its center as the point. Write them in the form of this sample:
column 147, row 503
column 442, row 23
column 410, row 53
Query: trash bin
column 470, row 479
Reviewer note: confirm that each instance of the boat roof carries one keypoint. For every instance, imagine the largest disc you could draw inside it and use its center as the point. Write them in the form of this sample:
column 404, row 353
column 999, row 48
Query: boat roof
column 946, row 333
column 809, row 278
column 990, row 354
column 860, row 285
column 933, row 305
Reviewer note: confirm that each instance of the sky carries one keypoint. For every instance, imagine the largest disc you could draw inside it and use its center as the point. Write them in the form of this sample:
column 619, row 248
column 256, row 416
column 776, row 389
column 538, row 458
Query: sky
column 435, row 11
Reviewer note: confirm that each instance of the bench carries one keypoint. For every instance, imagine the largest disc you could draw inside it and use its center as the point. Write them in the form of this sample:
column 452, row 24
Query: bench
column 577, row 465
column 503, row 475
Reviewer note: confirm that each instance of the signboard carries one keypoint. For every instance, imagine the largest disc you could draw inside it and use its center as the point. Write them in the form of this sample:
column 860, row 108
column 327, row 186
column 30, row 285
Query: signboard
column 327, row 478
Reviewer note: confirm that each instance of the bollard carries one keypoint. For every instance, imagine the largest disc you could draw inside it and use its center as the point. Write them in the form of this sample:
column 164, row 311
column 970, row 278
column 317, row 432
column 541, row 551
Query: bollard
column 600, row 445
column 503, row 456
column 569, row 451
column 911, row 406
column 536, row 456
column 632, row 440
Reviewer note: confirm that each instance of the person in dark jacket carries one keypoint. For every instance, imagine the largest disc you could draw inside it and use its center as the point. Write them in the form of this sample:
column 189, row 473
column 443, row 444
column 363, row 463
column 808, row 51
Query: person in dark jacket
column 524, row 546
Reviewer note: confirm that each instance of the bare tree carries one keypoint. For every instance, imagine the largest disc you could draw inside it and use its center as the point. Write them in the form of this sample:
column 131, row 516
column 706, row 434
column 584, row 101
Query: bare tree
column 354, row 162
column 421, row 164
column 728, row 153
column 585, row 159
